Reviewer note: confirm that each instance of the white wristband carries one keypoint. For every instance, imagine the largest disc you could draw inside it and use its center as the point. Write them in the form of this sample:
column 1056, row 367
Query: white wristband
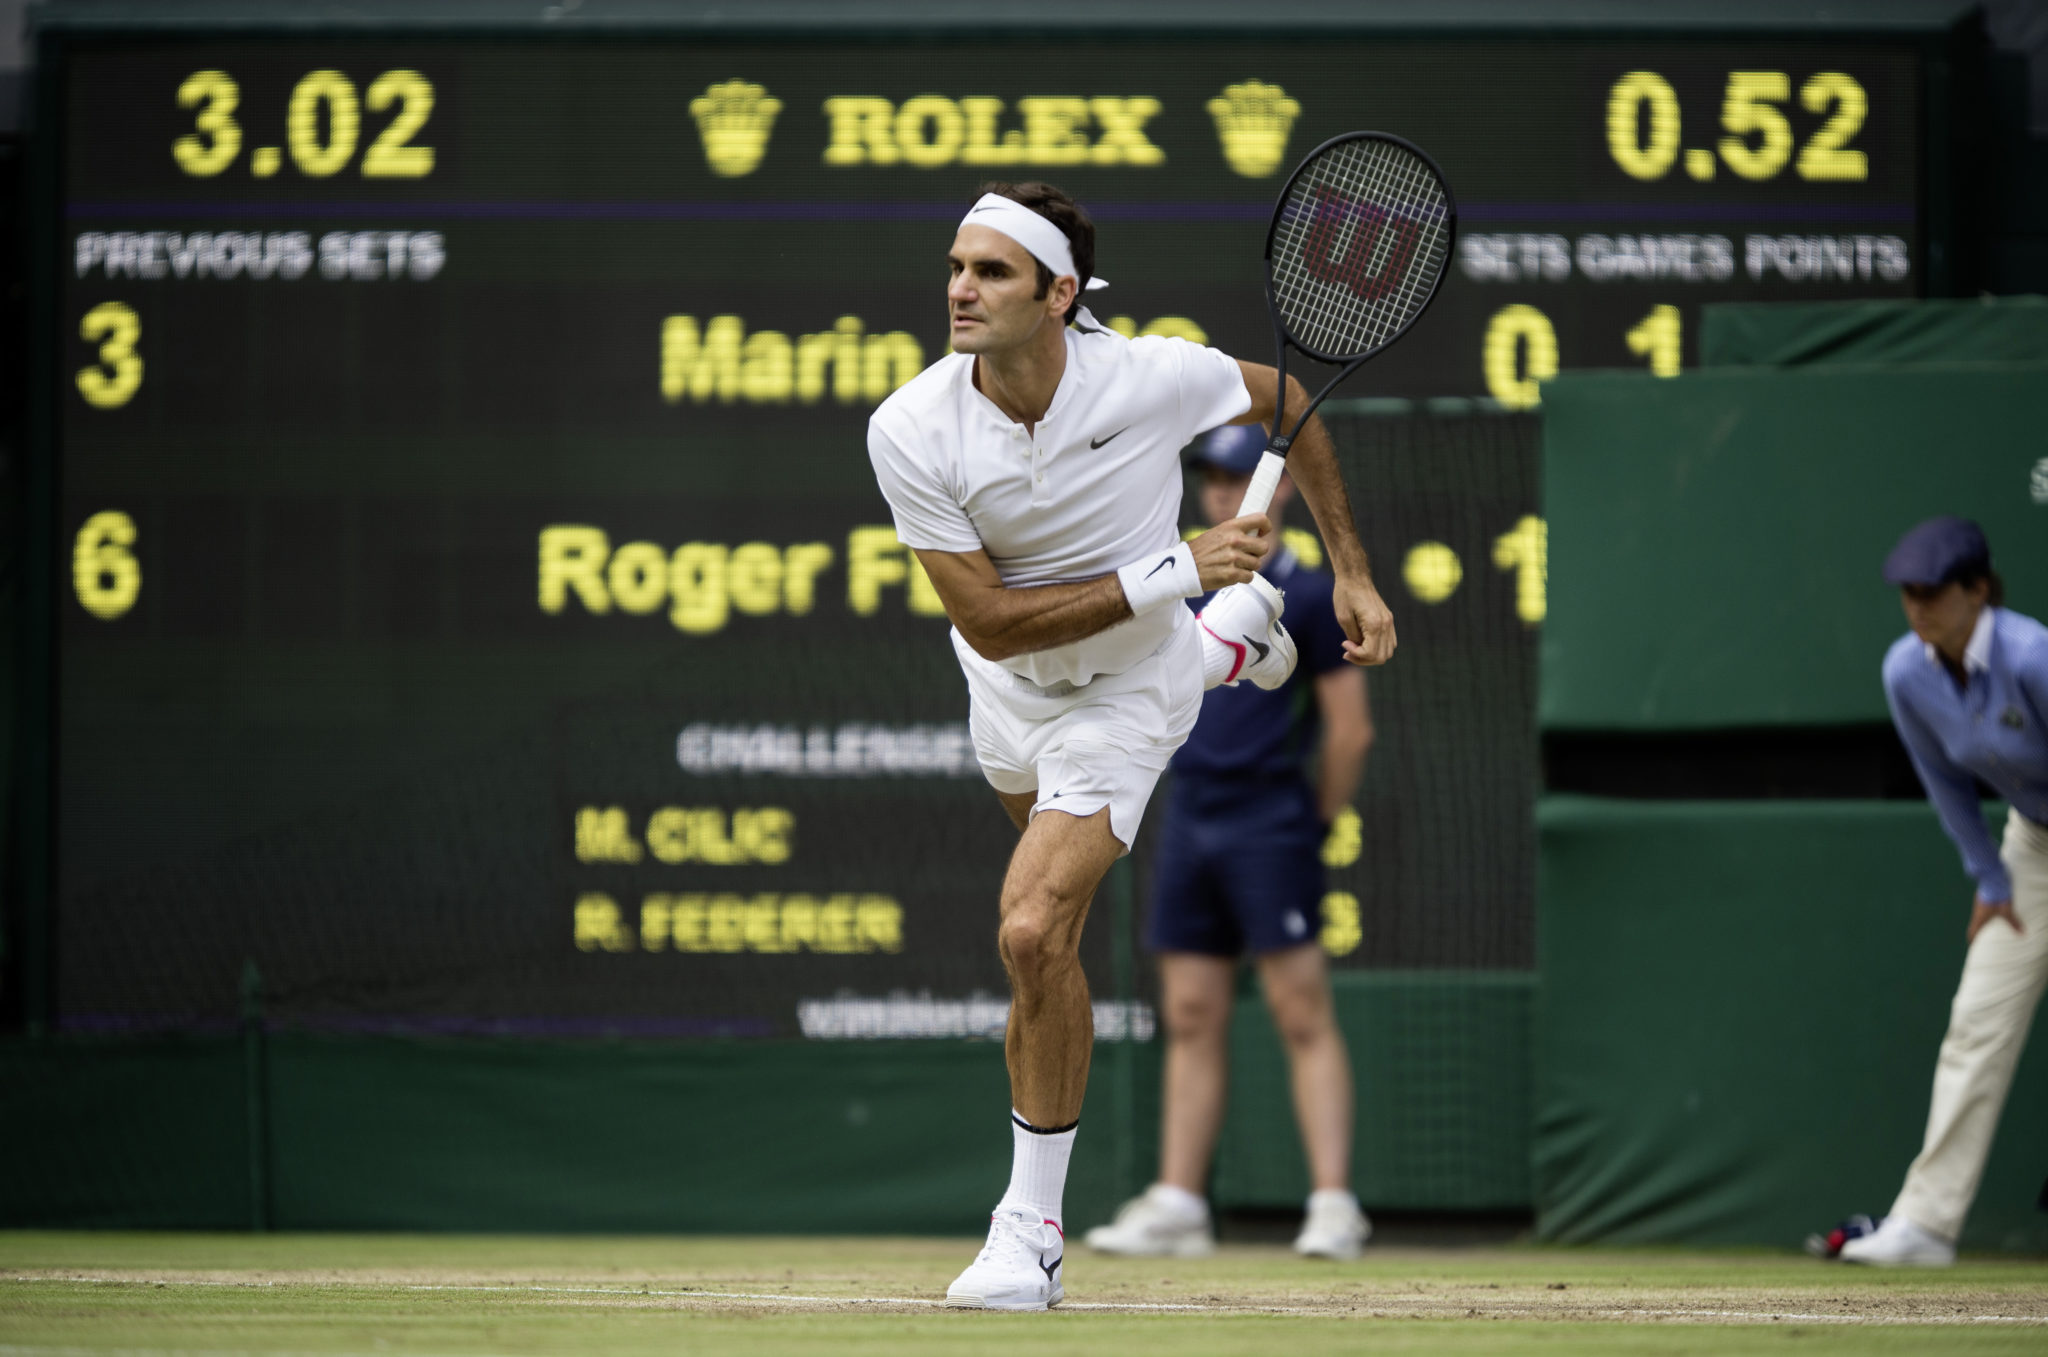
column 1161, row 578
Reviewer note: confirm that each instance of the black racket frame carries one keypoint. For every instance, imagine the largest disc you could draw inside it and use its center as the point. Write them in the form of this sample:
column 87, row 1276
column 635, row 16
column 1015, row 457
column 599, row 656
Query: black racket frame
column 1280, row 442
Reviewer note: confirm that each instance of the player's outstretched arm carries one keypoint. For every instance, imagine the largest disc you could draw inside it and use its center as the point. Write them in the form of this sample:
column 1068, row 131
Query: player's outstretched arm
column 1312, row 463
column 1001, row 623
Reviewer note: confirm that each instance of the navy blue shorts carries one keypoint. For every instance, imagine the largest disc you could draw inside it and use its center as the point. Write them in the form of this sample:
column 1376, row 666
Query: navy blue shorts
column 1226, row 882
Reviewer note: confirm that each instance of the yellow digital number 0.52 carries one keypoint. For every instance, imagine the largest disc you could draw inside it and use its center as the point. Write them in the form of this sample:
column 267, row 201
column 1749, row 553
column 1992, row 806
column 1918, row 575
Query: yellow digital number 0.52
column 213, row 147
column 112, row 382
column 1825, row 157
column 1746, row 109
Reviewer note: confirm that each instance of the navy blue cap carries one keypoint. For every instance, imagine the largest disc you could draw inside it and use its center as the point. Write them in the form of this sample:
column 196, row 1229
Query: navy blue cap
column 1937, row 551
column 1233, row 447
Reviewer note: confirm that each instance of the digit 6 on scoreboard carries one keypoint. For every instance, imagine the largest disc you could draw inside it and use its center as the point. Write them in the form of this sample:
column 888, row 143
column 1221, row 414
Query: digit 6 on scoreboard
column 104, row 571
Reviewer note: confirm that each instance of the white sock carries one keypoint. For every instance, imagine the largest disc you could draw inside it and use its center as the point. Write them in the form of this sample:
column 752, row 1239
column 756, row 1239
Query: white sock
column 1218, row 659
column 1038, row 1167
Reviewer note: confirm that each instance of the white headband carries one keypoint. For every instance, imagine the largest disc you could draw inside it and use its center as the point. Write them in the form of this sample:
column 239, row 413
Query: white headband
column 1040, row 238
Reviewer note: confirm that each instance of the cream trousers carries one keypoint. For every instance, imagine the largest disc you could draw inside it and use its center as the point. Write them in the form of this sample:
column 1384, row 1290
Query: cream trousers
column 2003, row 976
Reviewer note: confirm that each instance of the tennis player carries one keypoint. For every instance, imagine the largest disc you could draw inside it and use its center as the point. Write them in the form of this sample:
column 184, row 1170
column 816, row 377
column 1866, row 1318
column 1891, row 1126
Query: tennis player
column 1035, row 471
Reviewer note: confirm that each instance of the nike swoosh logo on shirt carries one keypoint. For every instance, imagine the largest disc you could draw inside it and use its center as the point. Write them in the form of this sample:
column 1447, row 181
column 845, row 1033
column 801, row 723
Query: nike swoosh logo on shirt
column 1102, row 442
column 1256, row 646
column 1167, row 564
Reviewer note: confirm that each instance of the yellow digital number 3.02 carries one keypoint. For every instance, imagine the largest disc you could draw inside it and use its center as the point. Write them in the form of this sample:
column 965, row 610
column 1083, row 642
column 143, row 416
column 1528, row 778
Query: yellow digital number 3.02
column 391, row 156
column 317, row 159
column 111, row 383
column 213, row 147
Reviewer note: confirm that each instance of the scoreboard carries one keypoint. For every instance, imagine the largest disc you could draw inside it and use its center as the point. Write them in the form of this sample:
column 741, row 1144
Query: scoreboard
column 472, row 602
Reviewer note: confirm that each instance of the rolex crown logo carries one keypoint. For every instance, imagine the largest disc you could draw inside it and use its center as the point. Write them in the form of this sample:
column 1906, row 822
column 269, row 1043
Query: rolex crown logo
column 734, row 119
column 1253, row 121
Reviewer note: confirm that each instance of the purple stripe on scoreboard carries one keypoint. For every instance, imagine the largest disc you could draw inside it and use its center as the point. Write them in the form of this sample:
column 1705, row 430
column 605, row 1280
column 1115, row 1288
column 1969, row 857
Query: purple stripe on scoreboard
column 125, row 1024
column 1895, row 213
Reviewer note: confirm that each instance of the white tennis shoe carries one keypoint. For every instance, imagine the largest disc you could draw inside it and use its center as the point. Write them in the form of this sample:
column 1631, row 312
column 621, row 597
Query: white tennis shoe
column 1156, row 1225
column 1245, row 618
column 1018, row 1269
column 1898, row 1242
column 1334, row 1226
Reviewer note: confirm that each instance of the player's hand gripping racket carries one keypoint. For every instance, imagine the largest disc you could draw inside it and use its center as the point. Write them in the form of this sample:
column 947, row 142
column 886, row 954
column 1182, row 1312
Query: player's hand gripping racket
column 1359, row 242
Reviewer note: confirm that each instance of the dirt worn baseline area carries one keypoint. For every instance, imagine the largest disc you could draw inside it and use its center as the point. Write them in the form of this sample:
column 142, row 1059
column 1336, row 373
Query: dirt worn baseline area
column 190, row 1293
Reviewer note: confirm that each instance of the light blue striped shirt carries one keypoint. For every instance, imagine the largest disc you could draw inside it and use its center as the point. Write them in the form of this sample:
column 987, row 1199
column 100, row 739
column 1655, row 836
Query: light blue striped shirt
column 1995, row 729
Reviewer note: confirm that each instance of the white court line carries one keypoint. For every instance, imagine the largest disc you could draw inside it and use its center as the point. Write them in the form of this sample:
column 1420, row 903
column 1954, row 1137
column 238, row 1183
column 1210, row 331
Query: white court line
column 1361, row 1301
column 787, row 1296
column 1791, row 1318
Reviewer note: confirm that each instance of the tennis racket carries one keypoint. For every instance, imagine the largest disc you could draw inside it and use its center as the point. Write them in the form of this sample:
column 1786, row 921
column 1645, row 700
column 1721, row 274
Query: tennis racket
column 1359, row 244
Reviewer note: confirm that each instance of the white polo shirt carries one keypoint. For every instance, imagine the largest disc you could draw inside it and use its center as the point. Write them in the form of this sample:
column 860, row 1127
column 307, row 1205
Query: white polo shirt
column 1094, row 486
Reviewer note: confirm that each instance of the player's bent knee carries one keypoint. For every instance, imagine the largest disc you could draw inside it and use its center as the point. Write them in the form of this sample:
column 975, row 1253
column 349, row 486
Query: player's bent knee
column 1029, row 946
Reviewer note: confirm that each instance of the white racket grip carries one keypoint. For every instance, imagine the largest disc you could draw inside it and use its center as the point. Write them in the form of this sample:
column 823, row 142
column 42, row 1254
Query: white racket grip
column 1265, row 481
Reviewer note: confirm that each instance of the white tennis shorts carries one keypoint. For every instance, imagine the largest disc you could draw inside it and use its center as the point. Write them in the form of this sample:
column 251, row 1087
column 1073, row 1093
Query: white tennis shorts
column 1104, row 743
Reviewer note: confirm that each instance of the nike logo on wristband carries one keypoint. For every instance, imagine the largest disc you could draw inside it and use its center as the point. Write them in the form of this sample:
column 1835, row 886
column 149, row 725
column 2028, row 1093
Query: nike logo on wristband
column 1167, row 564
column 1256, row 646
column 1101, row 442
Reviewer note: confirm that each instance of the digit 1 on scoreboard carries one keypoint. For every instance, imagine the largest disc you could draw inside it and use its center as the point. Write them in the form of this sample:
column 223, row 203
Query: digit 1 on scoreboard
column 1659, row 337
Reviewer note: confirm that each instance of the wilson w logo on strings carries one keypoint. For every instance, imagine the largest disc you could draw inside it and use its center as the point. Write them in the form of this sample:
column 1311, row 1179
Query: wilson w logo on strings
column 1359, row 246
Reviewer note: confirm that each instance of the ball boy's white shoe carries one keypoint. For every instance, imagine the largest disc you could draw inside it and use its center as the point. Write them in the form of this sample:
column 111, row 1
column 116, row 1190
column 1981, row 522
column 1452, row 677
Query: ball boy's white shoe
column 1157, row 1224
column 1334, row 1226
column 1898, row 1242
column 1018, row 1269
column 1245, row 618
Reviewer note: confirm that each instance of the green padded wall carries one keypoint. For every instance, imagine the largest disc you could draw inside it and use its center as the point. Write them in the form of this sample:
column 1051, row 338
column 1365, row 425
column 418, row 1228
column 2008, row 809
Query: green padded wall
column 1715, row 538
column 1738, row 1019
column 384, row 1132
column 131, row 1134
column 1794, row 334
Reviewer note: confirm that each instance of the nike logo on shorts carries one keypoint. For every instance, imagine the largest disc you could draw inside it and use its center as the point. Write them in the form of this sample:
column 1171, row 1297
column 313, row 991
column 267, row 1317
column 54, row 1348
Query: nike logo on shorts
column 1262, row 649
column 1166, row 564
column 1101, row 442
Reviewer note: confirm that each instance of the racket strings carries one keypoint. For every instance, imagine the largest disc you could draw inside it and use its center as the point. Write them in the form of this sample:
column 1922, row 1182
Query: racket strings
column 1362, row 239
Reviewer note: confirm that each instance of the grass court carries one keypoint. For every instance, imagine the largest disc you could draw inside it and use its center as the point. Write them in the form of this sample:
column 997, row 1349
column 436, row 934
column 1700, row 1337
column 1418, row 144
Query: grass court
column 79, row 1293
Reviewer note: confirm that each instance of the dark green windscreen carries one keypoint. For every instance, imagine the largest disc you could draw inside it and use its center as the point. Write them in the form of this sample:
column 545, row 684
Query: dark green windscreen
column 1717, row 538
